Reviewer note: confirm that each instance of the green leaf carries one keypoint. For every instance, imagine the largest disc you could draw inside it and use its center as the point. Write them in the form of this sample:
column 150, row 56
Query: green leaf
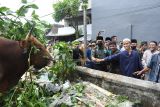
column 85, row 1
column 39, row 104
column 64, row 105
column 24, row 1
column 3, row 9
column 66, row 8
column 34, row 6
column 29, row 103
column 22, row 11
column 34, row 15
column 1, row 13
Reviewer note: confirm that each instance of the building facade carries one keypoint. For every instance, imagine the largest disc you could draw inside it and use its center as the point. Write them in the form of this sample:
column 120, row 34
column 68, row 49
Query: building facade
column 138, row 19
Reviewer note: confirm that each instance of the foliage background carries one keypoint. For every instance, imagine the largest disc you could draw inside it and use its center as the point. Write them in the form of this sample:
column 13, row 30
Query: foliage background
column 15, row 25
column 67, row 9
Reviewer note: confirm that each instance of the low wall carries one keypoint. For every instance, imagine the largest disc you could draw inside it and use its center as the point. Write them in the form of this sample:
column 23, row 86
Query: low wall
column 145, row 91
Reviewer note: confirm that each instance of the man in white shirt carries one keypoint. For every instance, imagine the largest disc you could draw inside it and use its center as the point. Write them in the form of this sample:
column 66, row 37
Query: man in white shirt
column 159, row 46
column 148, row 54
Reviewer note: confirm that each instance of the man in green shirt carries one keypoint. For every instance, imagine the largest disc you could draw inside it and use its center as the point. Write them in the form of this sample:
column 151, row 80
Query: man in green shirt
column 100, row 52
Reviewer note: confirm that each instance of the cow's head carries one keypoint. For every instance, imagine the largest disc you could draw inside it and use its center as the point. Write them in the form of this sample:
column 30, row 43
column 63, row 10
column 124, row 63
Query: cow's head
column 40, row 58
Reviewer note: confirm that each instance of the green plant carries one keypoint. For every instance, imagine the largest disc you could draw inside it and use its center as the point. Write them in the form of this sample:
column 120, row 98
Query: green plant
column 26, row 95
column 122, row 98
column 64, row 66
column 117, row 100
column 14, row 25
column 68, row 9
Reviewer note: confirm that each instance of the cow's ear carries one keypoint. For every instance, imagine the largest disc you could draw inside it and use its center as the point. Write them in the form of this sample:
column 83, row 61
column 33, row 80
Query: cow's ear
column 23, row 44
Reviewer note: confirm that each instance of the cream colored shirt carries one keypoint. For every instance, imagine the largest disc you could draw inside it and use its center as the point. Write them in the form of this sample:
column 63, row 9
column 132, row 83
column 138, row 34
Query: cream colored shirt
column 147, row 56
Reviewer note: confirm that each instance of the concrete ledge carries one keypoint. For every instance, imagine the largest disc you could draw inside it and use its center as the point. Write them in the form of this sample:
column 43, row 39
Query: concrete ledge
column 145, row 91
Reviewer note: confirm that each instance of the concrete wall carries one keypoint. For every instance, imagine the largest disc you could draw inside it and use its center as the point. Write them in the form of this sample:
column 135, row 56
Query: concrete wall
column 138, row 19
column 145, row 91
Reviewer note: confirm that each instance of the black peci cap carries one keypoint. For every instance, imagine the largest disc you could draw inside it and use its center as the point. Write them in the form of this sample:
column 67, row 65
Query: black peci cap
column 107, row 38
column 133, row 40
column 99, row 38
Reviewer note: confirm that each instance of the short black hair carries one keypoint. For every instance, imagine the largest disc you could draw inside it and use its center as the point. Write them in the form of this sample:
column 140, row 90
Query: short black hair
column 99, row 38
column 133, row 40
column 112, row 43
column 113, row 36
column 144, row 43
column 154, row 42
column 107, row 38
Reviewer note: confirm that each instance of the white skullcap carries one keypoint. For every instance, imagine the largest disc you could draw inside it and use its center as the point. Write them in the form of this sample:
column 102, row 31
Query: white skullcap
column 126, row 40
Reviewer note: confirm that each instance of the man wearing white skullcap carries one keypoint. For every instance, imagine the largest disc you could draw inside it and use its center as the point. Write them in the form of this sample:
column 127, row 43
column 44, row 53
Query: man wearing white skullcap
column 125, row 40
column 129, row 59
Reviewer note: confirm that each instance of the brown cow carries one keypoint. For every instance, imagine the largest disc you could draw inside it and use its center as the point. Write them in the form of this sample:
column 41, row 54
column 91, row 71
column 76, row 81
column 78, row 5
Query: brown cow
column 14, row 57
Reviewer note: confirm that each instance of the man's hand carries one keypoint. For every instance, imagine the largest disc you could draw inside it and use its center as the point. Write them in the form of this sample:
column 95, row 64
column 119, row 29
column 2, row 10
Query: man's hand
column 138, row 73
column 99, row 60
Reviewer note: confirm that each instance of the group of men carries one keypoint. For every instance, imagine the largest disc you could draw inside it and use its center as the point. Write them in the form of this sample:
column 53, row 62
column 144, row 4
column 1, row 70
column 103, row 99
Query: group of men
column 125, row 58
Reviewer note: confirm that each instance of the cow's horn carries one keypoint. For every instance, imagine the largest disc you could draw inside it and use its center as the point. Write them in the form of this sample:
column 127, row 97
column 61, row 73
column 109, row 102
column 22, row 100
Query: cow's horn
column 30, row 31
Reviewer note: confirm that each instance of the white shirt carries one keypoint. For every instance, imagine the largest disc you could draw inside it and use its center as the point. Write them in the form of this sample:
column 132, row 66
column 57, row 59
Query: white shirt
column 147, row 56
column 122, row 49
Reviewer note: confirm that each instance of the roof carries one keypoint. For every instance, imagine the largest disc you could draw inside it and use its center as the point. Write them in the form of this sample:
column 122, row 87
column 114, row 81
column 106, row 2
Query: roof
column 82, row 38
column 64, row 31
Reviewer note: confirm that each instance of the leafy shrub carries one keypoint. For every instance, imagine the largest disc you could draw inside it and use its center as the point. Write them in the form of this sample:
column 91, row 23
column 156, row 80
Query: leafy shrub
column 15, row 26
column 25, row 95
column 64, row 66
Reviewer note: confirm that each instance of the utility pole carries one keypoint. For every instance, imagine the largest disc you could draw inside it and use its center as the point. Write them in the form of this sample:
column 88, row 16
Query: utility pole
column 84, row 7
column 131, row 31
